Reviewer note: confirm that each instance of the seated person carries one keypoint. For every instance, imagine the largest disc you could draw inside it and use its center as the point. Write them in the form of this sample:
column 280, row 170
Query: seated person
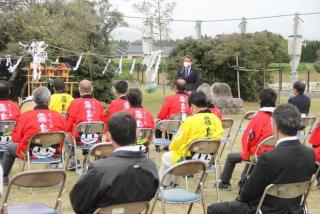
column 41, row 119
column 143, row 117
column 83, row 109
column 202, row 125
column 121, row 102
column 278, row 166
column 301, row 101
column 174, row 104
column 60, row 100
column 258, row 129
column 315, row 142
column 8, row 109
column 127, row 175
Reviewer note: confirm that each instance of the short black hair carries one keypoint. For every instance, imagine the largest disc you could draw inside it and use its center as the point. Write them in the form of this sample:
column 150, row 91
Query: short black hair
column 134, row 96
column 198, row 98
column 122, row 127
column 58, row 85
column 287, row 118
column 267, row 97
column 4, row 89
column 121, row 87
column 299, row 86
column 180, row 85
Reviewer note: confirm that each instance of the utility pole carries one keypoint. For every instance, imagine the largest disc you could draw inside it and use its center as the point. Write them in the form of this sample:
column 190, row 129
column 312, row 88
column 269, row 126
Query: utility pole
column 238, row 75
column 243, row 26
column 160, row 46
column 197, row 33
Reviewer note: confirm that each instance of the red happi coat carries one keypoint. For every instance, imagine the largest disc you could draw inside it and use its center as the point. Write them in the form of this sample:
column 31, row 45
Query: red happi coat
column 9, row 110
column 174, row 104
column 143, row 117
column 33, row 122
column 216, row 111
column 115, row 106
column 315, row 141
column 83, row 110
column 259, row 128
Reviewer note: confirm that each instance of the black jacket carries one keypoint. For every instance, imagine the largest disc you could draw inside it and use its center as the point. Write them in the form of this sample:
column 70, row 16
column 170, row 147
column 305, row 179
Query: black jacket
column 193, row 80
column 289, row 162
column 124, row 176
column 302, row 102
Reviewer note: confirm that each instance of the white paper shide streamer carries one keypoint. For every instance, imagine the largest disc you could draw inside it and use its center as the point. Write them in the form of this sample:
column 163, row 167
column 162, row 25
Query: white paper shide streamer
column 153, row 66
column 78, row 63
column 120, row 66
column 39, row 55
column 11, row 69
column 8, row 61
column 132, row 66
column 106, row 67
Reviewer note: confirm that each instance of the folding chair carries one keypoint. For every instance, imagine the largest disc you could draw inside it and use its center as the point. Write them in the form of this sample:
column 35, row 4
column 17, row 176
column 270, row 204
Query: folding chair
column 227, row 124
column 87, row 135
column 307, row 124
column 246, row 117
column 44, row 148
column 180, row 116
column 99, row 151
column 144, row 137
column 286, row 191
column 176, row 195
column 167, row 127
column 269, row 141
column 125, row 208
column 207, row 151
column 5, row 134
column 35, row 179
column 27, row 105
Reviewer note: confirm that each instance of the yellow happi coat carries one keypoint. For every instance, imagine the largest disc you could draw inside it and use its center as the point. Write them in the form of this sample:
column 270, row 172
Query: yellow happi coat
column 203, row 125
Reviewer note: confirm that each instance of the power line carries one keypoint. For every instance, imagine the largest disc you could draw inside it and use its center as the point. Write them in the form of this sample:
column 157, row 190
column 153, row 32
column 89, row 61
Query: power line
column 225, row 20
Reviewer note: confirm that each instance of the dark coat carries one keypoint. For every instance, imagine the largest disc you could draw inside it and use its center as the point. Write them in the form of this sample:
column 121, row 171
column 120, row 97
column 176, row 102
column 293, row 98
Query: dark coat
column 289, row 162
column 124, row 176
column 302, row 102
column 193, row 80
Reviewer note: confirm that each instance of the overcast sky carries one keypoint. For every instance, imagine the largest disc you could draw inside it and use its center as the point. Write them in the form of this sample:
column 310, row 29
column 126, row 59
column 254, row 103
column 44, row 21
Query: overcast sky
column 223, row 9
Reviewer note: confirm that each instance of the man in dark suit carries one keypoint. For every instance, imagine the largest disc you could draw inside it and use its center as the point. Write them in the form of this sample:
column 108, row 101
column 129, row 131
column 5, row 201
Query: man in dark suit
column 190, row 75
column 301, row 101
column 288, row 162
column 127, row 175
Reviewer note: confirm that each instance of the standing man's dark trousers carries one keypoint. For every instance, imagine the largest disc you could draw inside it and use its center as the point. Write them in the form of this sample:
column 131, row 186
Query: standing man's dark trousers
column 232, row 207
column 8, row 159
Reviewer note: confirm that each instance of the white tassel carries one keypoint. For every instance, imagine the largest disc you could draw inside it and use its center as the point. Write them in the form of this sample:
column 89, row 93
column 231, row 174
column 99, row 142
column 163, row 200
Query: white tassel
column 8, row 63
column 11, row 69
column 120, row 66
column 132, row 66
column 78, row 63
column 106, row 67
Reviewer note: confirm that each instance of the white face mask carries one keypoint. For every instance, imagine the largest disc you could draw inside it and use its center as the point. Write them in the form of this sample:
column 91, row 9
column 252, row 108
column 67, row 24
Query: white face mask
column 186, row 64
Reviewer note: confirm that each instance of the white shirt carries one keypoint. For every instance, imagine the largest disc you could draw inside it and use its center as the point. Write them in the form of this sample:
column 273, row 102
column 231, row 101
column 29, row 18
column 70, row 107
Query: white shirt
column 286, row 139
column 134, row 148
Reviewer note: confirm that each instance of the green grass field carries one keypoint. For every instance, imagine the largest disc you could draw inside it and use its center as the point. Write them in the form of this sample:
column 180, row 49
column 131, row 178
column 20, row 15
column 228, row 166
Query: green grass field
column 153, row 103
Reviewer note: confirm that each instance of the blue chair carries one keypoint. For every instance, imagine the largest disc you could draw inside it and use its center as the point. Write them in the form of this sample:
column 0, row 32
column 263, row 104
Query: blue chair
column 227, row 124
column 45, row 148
column 6, row 132
column 35, row 179
column 307, row 124
column 177, row 195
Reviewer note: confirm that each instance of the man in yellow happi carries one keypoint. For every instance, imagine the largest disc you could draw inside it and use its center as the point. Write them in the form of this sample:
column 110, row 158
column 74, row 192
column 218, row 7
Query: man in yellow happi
column 60, row 100
column 202, row 125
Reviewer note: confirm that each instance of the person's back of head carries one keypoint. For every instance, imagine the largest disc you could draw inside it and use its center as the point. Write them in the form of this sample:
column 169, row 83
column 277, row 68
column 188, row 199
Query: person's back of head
column 122, row 127
column 286, row 121
column 58, row 85
column 134, row 97
column 41, row 95
column 180, row 85
column 198, row 98
column 299, row 87
column 4, row 89
column 267, row 98
column 85, row 87
column 121, row 87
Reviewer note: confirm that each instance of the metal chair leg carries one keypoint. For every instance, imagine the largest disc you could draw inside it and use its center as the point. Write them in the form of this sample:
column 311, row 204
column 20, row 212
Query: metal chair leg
column 154, row 202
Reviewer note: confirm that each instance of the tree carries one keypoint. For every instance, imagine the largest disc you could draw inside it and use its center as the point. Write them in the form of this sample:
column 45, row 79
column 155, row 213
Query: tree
column 317, row 63
column 79, row 25
column 309, row 51
column 152, row 9
column 215, row 56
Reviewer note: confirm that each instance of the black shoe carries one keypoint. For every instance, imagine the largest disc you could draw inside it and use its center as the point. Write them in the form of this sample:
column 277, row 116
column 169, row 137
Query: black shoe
column 225, row 186
column 166, row 148
column 5, row 181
